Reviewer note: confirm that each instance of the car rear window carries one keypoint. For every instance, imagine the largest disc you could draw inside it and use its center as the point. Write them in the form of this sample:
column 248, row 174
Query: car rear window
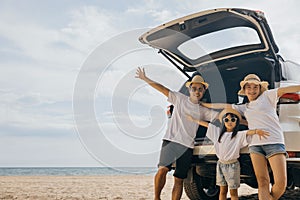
column 219, row 40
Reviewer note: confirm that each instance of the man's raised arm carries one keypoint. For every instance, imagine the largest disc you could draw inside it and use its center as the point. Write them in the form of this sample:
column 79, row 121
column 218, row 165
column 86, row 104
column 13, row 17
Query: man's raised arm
column 140, row 73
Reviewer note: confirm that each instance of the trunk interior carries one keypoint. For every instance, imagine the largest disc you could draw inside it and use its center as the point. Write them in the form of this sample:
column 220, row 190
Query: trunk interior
column 224, row 80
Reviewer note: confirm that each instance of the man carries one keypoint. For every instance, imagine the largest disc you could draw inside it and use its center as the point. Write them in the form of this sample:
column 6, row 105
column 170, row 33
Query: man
column 178, row 142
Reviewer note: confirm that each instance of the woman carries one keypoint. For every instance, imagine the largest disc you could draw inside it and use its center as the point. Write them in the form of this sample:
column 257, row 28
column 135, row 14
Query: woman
column 260, row 112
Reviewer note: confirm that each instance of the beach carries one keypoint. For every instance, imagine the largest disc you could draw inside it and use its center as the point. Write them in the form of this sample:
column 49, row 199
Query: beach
column 110, row 187
column 135, row 187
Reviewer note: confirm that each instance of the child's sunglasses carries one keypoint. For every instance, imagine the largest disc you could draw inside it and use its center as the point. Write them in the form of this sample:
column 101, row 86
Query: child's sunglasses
column 232, row 119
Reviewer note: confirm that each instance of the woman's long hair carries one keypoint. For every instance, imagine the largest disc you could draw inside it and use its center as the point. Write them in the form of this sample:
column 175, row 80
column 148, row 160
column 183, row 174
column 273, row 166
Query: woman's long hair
column 235, row 130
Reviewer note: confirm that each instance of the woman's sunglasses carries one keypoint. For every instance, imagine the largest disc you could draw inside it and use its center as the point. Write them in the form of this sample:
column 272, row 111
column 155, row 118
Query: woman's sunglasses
column 232, row 119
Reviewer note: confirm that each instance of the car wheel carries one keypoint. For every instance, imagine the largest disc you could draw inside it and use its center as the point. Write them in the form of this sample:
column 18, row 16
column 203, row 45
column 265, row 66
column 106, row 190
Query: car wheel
column 252, row 183
column 290, row 180
column 194, row 187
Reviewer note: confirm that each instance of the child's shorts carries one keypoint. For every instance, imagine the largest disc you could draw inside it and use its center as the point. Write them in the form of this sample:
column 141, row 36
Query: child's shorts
column 228, row 174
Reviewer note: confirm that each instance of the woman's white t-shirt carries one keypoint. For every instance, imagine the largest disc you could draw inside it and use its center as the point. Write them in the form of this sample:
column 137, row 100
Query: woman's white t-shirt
column 229, row 148
column 180, row 129
column 261, row 114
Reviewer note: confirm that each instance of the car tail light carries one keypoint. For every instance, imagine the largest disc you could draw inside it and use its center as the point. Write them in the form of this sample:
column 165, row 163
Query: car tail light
column 293, row 154
column 290, row 98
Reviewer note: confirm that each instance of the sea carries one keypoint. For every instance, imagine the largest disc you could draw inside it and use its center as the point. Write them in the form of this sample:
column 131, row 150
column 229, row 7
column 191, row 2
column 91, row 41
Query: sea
column 75, row 171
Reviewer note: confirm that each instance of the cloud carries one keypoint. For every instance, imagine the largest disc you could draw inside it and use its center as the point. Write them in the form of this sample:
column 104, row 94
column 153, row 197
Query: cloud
column 37, row 151
column 88, row 27
column 32, row 112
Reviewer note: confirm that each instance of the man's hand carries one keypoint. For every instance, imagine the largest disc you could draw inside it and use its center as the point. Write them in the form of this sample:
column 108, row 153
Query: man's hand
column 140, row 73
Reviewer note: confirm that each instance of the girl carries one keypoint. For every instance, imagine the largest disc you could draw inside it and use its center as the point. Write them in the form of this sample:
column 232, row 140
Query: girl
column 227, row 142
column 260, row 112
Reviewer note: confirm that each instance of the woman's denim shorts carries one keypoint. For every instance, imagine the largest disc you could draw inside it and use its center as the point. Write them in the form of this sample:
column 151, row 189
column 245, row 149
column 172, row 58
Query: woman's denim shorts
column 268, row 150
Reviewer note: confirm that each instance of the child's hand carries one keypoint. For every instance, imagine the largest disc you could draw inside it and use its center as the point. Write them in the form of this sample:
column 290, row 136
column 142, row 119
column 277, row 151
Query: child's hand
column 262, row 133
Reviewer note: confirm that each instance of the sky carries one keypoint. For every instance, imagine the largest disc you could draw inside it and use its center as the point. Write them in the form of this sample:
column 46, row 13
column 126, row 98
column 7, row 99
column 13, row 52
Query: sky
column 68, row 96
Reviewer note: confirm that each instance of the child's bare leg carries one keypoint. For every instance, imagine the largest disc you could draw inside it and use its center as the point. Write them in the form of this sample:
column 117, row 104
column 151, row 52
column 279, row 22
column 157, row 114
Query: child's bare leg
column 223, row 192
column 234, row 194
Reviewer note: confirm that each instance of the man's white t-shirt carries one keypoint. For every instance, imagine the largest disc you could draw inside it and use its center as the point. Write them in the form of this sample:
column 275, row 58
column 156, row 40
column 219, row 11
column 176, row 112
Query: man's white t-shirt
column 180, row 129
column 229, row 148
column 261, row 114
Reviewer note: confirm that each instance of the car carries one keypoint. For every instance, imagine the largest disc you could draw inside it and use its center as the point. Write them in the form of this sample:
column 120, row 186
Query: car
column 224, row 45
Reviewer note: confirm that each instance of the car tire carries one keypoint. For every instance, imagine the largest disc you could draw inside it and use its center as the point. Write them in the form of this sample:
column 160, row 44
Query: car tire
column 252, row 183
column 194, row 189
column 290, row 180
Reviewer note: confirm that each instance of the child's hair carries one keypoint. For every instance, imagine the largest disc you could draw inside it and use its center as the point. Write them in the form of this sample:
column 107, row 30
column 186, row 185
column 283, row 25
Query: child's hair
column 235, row 130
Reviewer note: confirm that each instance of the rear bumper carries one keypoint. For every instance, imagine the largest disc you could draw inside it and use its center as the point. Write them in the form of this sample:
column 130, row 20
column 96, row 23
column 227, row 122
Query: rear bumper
column 203, row 150
column 293, row 165
column 293, row 162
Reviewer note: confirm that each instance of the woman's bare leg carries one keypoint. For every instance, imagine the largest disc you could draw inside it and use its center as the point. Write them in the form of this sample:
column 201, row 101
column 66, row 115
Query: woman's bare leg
column 260, row 166
column 278, row 166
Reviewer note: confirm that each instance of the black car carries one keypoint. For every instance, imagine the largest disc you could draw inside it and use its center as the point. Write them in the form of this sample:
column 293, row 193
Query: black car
column 224, row 45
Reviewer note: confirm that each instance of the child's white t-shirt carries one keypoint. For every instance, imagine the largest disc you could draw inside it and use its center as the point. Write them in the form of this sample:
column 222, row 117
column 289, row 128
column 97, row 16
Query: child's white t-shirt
column 180, row 129
column 228, row 149
column 261, row 114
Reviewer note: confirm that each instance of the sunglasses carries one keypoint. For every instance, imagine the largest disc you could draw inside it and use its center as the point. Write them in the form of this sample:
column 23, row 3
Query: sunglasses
column 194, row 89
column 232, row 119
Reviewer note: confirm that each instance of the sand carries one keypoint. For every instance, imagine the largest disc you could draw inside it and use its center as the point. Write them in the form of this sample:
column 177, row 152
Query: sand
column 127, row 187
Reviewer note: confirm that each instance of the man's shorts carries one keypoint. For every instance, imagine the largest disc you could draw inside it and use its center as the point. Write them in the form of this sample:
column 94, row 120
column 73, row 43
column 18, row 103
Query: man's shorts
column 268, row 150
column 228, row 175
column 173, row 152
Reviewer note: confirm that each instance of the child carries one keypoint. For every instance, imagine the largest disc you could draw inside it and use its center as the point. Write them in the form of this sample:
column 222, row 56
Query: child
column 227, row 142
